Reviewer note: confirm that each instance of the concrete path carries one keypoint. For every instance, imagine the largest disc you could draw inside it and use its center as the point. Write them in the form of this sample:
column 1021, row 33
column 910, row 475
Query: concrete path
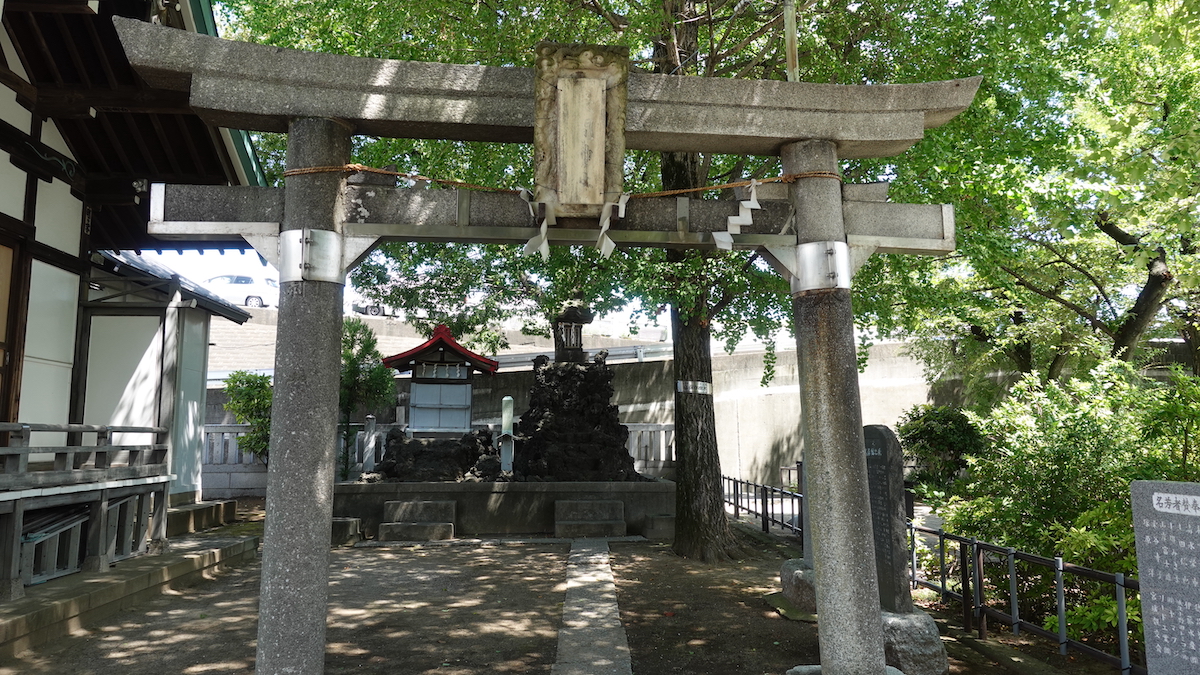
column 591, row 640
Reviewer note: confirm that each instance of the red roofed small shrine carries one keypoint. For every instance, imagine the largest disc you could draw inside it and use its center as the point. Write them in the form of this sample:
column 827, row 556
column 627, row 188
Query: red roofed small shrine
column 439, row 402
column 441, row 348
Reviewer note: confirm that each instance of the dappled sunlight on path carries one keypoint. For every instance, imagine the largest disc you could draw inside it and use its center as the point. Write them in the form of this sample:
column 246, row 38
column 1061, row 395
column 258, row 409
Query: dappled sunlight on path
column 459, row 610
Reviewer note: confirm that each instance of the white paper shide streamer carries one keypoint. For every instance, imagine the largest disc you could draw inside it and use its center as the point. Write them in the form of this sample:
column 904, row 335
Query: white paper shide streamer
column 539, row 243
column 604, row 242
column 733, row 225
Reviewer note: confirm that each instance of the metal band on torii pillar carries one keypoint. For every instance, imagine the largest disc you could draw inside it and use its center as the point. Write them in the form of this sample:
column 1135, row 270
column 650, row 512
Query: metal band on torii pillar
column 843, row 551
column 295, row 558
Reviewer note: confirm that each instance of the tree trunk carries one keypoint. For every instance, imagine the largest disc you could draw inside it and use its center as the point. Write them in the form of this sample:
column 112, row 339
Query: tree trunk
column 701, row 528
column 1189, row 330
column 1149, row 301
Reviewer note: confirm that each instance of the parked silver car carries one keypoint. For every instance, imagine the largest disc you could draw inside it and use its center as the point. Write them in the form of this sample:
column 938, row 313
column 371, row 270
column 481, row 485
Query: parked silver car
column 243, row 289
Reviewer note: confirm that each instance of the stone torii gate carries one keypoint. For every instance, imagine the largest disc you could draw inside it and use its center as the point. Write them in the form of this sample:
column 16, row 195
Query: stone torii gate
column 321, row 224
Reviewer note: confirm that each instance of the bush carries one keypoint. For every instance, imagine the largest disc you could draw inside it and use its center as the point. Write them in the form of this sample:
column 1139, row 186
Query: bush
column 249, row 399
column 1056, row 482
column 938, row 439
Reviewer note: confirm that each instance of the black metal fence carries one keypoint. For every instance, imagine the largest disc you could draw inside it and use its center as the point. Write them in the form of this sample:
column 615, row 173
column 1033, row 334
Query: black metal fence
column 984, row 578
column 770, row 505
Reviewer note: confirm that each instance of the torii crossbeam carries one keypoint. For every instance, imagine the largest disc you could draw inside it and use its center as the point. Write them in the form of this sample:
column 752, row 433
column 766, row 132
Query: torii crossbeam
column 321, row 225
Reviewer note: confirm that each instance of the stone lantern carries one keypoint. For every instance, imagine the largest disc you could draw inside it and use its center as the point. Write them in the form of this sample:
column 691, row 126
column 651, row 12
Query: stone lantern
column 568, row 334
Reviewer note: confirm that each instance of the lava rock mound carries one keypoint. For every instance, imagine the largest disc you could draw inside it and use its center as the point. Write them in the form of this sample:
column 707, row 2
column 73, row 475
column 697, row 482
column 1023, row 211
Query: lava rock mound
column 572, row 430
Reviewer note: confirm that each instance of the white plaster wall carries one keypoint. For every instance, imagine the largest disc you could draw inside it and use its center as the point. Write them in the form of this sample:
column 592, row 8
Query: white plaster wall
column 124, row 374
column 187, row 431
column 59, row 215
column 12, row 188
column 52, row 138
column 12, row 179
column 49, row 348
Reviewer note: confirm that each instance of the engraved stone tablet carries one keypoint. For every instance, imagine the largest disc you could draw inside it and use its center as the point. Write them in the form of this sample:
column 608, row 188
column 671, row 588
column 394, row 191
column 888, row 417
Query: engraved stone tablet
column 885, row 481
column 1166, row 523
column 580, row 92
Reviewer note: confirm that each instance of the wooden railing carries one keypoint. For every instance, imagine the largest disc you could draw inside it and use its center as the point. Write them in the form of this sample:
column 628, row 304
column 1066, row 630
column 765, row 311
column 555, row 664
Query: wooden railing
column 77, row 464
column 652, row 447
column 77, row 506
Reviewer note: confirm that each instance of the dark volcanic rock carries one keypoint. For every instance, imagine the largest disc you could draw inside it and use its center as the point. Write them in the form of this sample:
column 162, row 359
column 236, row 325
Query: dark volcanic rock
column 433, row 459
column 571, row 431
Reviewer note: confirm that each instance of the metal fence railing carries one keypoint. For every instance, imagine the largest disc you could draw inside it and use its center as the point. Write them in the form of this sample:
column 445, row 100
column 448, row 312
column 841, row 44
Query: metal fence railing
column 769, row 504
column 964, row 576
column 1020, row 590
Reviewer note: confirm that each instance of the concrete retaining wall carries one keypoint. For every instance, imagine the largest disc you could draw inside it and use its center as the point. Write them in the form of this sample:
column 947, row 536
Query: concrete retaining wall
column 503, row 508
column 231, row 481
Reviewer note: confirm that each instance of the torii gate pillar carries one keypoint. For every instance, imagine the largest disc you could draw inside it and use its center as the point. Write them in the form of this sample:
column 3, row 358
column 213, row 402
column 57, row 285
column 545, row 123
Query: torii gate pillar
column 835, row 494
column 295, row 566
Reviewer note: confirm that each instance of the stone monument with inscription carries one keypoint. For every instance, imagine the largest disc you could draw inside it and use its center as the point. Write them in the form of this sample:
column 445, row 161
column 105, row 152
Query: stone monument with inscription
column 1166, row 524
column 885, row 482
column 911, row 640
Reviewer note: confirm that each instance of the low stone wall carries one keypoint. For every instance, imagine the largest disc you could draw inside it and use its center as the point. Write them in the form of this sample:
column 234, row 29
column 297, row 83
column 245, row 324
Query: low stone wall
column 503, row 508
column 233, row 481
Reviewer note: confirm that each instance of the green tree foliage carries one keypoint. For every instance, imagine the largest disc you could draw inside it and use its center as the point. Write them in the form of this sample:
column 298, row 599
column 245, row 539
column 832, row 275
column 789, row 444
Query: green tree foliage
column 365, row 382
column 249, row 399
column 1075, row 224
column 938, row 439
column 1055, row 481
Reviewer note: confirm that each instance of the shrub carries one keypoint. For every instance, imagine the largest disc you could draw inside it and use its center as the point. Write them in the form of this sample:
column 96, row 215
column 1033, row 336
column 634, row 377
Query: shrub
column 249, row 399
column 938, row 439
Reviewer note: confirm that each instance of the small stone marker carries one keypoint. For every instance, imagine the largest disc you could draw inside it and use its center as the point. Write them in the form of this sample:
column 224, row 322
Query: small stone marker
column 1166, row 523
column 885, row 481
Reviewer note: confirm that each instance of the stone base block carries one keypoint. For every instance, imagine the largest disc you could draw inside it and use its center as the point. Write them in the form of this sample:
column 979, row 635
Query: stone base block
column 816, row 670
column 346, row 531
column 577, row 529
column 660, row 528
column 912, row 644
column 589, row 509
column 799, row 584
column 419, row 512
column 200, row 516
column 415, row 531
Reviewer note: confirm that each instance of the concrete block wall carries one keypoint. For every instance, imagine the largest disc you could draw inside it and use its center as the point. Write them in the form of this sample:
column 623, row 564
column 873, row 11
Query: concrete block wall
column 504, row 508
column 231, row 481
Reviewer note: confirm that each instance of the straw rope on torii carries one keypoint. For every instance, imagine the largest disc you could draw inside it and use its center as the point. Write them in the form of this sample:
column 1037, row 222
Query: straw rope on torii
column 539, row 242
column 320, row 225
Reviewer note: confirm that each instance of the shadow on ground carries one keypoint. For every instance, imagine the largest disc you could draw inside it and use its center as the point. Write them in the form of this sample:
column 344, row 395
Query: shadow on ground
column 449, row 610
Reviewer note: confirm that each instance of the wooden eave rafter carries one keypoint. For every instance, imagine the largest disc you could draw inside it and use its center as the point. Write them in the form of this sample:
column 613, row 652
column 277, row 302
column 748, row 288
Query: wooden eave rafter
column 119, row 130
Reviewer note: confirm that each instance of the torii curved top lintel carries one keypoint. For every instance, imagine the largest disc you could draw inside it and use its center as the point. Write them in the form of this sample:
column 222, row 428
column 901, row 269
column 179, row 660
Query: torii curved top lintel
column 257, row 87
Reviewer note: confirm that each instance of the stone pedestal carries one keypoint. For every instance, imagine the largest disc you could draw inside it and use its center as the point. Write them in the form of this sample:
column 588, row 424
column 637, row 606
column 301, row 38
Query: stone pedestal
column 799, row 584
column 911, row 642
column 816, row 670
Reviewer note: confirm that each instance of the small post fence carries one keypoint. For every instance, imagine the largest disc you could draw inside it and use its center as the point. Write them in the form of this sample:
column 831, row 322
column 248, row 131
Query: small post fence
column 985, row 573
column 981, row 591
column 771, row 506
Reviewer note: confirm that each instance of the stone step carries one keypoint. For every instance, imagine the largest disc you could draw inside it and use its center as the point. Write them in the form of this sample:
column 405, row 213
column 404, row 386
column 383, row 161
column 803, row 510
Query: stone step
column 419, row 512
column 660, row 528
column 589, row 509
column 415, row 531
column 346, row 531
column 200, row 516
column 579, row 529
